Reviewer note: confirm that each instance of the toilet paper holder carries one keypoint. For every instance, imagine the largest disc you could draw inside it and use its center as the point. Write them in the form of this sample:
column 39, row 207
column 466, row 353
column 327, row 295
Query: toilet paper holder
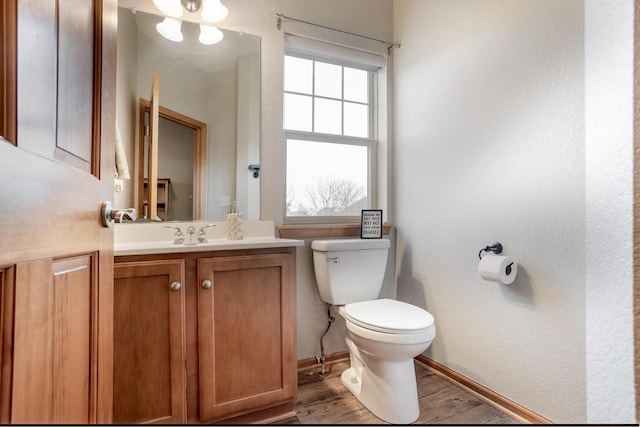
column 496, row 248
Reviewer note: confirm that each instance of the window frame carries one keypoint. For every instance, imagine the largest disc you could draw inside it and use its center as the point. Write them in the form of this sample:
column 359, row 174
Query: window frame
column 371, row 142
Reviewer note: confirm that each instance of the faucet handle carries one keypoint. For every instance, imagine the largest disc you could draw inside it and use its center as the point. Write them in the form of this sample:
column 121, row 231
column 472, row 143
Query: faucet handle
column 178, row 237
column 202, row 234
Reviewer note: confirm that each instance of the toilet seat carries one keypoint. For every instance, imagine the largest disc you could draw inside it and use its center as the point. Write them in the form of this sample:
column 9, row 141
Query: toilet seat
column 388, row 316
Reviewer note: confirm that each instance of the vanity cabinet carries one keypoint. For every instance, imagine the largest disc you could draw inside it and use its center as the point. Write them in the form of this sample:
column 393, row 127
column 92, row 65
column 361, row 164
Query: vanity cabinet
column 149, row 342
column 233, row 318
column 246, row 333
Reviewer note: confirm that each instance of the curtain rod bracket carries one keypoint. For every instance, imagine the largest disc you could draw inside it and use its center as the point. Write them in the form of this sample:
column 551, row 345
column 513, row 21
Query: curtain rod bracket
column 281, row 17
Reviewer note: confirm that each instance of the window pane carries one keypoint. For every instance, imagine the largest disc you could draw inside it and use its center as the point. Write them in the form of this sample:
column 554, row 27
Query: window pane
column 356, row 120
column 298, row 74
column 328, row 116
column 297, row 112
column 326, row 179
column 356, row 85
column 328, row 80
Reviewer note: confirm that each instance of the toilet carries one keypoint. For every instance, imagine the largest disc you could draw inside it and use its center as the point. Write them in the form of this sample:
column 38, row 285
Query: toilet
column 383, row 335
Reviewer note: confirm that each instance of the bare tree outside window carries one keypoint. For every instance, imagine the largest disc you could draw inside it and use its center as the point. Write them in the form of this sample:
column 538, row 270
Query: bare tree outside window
column 331, row 197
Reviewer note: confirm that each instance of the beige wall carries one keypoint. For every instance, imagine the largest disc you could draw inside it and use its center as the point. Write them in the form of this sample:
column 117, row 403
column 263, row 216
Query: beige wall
column 609, row 39
column 490, row 118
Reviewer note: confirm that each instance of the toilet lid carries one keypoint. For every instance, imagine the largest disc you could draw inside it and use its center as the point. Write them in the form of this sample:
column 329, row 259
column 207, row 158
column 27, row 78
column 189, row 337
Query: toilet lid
column 387, row 315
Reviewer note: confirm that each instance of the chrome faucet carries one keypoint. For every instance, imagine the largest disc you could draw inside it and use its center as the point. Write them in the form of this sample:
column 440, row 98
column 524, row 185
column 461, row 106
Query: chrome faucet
column 191, row 236
column 178, row 237
column 202, row 235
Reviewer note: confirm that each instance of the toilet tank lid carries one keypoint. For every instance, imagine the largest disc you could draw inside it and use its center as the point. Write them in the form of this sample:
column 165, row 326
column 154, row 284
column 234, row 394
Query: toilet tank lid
column 349, row 244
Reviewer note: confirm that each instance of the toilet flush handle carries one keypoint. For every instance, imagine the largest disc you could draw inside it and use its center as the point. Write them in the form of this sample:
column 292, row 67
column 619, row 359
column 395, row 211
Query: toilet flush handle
column 333, row 259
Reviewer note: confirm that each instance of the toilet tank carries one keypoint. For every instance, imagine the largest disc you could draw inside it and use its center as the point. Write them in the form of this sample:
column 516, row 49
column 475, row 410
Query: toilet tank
column 349, row 270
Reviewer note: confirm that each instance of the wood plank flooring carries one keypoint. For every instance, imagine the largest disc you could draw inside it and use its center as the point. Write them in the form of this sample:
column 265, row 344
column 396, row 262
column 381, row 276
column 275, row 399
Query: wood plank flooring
column 327, row 401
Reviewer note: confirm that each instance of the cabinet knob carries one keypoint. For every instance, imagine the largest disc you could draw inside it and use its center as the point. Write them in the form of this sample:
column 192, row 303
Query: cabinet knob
column 176, row 286
column 207, row 284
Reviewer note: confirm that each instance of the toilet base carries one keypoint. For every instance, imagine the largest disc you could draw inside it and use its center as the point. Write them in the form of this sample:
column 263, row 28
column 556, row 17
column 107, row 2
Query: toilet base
column 386, row 388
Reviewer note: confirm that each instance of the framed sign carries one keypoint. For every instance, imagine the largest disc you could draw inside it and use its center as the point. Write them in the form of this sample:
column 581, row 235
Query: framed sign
column 371, row 224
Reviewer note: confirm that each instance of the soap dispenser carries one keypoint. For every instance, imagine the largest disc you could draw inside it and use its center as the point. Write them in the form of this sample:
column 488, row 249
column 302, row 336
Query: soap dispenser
column 234, row 222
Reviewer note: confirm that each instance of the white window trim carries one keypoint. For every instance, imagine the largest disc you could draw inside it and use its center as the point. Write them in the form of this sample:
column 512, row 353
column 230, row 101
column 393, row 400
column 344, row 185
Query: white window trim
column 371, row 143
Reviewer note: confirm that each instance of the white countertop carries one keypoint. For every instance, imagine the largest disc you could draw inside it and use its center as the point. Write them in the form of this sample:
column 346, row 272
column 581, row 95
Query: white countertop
column 145, row 248
column 154, row 238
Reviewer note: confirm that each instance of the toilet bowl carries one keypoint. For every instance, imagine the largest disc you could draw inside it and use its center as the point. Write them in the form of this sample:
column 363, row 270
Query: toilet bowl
column 382, row 374
column 383, row 335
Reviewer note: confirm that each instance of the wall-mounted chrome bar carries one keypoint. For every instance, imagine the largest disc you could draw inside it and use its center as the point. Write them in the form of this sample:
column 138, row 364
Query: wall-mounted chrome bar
column 280, row 17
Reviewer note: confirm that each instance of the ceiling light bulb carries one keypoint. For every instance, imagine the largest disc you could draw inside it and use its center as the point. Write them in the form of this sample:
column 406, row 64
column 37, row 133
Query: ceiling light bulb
column 213, row 11
column 171, row 8
column 170, row 29
column 192, row 5
column 209, row 34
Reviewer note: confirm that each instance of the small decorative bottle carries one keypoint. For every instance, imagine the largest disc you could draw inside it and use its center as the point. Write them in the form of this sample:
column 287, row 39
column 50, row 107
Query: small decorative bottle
column 234, row 223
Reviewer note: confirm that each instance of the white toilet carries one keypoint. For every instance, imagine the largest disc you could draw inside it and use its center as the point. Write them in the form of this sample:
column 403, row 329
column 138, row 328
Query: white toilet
column 383, row 335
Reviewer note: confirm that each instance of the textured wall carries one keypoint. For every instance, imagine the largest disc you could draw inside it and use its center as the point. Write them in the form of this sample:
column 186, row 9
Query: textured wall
column 490, row 147
column 609, row 216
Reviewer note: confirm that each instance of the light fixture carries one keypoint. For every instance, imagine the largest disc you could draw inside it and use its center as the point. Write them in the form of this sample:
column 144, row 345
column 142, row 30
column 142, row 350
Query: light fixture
column 212, row 10
column 171, row 8
column 170, row 29
column 209, row 34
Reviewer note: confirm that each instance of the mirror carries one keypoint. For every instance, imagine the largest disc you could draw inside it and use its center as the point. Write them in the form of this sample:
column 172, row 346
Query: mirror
column 209, row 130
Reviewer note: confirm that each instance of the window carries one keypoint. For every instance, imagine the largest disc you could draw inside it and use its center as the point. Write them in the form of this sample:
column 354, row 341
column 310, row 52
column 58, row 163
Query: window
column 330, row 145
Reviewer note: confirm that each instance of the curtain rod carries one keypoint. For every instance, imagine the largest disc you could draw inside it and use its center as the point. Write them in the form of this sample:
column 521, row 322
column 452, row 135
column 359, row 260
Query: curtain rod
column 281, row 17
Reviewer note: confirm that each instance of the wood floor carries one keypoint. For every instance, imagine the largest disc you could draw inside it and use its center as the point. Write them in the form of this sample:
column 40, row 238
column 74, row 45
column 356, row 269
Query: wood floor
column 327, row 401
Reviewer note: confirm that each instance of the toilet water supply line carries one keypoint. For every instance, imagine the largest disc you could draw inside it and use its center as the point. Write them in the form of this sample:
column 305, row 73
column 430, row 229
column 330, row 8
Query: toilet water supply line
column 321, row 359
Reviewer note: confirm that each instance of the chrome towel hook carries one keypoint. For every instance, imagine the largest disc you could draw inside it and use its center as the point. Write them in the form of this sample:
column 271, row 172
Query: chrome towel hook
column 496, row 248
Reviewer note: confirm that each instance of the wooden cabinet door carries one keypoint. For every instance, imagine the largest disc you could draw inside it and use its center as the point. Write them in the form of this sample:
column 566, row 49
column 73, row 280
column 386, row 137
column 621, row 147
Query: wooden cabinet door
column 149, row 342
column 56, row 167
column 50, row 307
column 246, row 333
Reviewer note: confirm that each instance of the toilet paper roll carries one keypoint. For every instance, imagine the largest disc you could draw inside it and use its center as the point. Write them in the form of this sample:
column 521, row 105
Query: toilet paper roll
column 495, row 268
